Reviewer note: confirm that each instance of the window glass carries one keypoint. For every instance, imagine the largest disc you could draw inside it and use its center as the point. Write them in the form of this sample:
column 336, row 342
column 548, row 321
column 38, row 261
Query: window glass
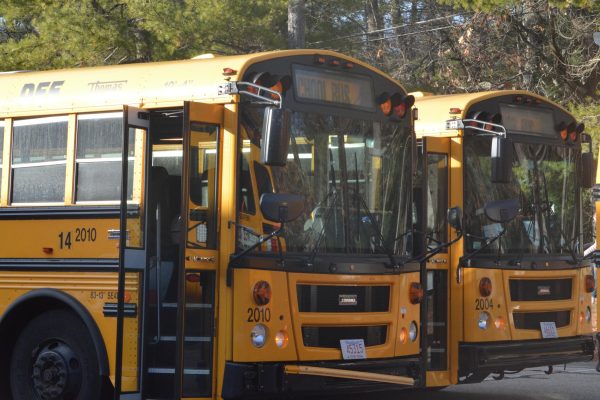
column 437, row 199
column 39, row 154
column 246, row 197
column 202, row 224
column 98, row 158
column 263, row 179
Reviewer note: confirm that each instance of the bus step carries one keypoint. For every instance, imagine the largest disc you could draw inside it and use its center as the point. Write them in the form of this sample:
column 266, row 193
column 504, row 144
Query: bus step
column 188, row 305
column 187, row 339
column 171, row 371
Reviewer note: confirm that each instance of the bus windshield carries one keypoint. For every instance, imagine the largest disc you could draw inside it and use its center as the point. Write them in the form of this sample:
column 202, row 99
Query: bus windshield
column 545, row 182
column 355, row 175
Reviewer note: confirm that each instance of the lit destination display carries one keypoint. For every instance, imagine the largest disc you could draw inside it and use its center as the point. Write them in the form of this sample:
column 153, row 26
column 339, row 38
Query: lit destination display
column 333, row 87
column 528, row 120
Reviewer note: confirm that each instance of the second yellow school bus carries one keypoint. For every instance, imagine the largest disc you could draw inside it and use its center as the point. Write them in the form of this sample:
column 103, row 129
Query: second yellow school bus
column 256, row 245
column 515, row 290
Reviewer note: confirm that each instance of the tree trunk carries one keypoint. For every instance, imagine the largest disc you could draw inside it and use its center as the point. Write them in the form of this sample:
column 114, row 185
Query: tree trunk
column 296, row 24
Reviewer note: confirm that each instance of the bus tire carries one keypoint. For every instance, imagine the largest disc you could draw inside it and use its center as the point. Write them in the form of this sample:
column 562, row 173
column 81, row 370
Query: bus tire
column 54, row 358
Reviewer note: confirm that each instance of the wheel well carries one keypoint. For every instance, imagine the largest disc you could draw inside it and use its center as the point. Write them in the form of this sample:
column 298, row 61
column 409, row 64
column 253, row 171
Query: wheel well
column 32, row 304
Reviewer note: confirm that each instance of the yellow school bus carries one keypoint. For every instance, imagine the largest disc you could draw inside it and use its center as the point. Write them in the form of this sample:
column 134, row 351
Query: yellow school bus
column 513, row 290
column 220, row 227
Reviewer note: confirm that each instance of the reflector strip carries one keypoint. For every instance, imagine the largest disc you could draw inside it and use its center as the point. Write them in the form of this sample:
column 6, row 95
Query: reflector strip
column 343, row 373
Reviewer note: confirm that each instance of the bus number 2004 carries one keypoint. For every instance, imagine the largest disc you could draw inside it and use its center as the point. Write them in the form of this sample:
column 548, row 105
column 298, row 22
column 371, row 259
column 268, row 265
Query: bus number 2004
column 81, row 235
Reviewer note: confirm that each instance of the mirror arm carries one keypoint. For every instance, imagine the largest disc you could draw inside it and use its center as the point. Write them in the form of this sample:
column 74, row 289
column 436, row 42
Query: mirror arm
column 236, row 257
column 441, row 247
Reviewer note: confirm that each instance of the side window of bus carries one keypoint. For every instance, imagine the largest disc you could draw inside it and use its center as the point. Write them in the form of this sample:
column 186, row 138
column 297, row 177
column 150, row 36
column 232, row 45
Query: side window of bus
column 202, row 227
column 246, row 198
column 39, row 159
column 437, row 199
column 263, row 179
column 98, row 158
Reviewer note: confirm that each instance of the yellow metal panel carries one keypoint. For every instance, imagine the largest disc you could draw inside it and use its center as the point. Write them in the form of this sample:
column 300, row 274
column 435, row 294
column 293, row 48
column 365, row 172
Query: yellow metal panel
column 93, row 290
column 70, row 167
column 275, row 316
column 88, row 238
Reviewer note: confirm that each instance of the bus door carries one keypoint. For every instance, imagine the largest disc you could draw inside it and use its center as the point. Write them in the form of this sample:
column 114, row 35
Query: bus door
column 199, row 250
column 436, row 158
column 132, row 241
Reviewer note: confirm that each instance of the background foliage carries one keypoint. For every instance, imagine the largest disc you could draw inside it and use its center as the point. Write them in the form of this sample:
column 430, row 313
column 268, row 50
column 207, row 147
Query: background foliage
column 442, row 46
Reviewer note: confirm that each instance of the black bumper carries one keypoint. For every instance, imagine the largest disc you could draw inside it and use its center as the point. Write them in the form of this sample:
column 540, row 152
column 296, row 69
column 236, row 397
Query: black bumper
column 485, row 358
column 261, row 380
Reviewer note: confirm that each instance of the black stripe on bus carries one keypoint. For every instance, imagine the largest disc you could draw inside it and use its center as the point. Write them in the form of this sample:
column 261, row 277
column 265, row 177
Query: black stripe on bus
column 61, row 264
column 65, row 212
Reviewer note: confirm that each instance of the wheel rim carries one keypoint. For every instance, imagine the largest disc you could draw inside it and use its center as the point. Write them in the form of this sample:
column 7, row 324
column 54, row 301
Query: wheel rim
column 56, row 372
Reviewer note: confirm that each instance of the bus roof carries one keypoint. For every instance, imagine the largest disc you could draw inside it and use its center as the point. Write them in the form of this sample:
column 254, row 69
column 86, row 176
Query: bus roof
column 434, row 110
column 144, row 85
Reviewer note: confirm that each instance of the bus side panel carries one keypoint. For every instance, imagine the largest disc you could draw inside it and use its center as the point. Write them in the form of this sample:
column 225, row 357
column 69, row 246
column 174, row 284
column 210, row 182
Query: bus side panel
column 94, row 290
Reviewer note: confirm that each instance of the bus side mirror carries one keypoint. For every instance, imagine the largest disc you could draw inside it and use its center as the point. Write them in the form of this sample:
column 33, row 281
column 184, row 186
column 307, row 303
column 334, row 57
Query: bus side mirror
column 281, row 207
column 275, row 136
column 588, row 170
column 502, row 211
column 501, row 158
column 455, row 218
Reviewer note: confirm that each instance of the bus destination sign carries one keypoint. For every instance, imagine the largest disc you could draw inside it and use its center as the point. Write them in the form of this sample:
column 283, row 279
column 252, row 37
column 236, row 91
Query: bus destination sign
column 333, row 87
column 528, row 120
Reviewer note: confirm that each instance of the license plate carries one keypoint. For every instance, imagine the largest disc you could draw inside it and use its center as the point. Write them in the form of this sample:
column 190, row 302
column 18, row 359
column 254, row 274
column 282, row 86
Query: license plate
column 353, row 349
column 549, row 330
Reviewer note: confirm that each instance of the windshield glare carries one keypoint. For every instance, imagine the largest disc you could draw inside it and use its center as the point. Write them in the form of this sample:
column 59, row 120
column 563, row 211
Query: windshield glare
column 543, row 180
column 355, row 177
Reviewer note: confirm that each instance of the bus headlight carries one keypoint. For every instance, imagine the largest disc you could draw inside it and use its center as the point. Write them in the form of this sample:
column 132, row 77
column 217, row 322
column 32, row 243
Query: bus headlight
column 484, row 319
column 588, row 314
column 259, row 335
column 282, row 339
column 413, row 331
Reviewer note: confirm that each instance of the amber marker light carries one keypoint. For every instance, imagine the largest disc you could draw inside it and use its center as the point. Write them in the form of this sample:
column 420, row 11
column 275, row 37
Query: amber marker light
column 500, row 324
column 319, row 60
column 403, row 335
column 455, row 110
column 485, row 287
column 261, row 293
column 281, row 339
column 590, row 284
column 416, row 293
column 385, row 103
column 572, row 132
column 562, row 128
column 229, row 71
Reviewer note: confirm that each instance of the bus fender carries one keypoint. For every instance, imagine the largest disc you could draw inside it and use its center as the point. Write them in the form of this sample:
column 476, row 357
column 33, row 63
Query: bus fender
column 38, row 301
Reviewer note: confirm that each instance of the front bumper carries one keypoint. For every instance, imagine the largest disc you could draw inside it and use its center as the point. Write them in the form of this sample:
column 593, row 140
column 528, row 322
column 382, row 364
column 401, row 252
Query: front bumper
column 481, row 359
column 260, row 380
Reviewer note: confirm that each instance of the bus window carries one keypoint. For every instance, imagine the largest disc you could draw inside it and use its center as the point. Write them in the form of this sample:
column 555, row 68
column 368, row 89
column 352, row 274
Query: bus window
column 98, row 158
column 246, row 198
column 263, row 179
column 203, row 185
column 39, row 158
column 437, row 199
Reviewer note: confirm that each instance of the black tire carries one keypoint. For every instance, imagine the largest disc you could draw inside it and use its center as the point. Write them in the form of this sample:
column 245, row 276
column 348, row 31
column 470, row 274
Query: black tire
column 54, row 359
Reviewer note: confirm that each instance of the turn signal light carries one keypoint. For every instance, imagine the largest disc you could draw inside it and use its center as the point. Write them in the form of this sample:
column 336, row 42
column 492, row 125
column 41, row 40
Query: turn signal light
column 485, row 287
column 590, row 284
column 562, row 128
column 385, row 103
column 261, row 293
column 402, row 104
column 416, row 293
column 572, row 133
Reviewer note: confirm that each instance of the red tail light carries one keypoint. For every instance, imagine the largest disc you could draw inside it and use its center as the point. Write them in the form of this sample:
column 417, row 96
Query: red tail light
column 590, row 284
column 416, row 293
column 261, row 293
column 485, row 287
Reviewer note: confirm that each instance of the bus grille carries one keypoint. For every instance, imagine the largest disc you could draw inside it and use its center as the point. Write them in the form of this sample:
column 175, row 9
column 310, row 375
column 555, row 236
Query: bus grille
column 531, row 320
column 329, row 337
column 541, row 289
column 343, row 299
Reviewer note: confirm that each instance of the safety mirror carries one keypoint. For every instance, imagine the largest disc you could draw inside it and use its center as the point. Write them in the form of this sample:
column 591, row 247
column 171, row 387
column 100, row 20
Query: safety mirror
column 502, row 211
column 455, row 218
column 281, row 207
column 275, row 136
column 588, row 170
column 501, row 159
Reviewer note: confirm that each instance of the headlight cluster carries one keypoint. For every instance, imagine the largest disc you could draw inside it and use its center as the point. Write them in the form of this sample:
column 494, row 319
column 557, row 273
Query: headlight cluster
column 261, row 293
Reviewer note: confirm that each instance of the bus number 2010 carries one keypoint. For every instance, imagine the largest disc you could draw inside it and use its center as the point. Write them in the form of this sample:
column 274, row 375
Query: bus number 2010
column 259, row 314
column 81, row 235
